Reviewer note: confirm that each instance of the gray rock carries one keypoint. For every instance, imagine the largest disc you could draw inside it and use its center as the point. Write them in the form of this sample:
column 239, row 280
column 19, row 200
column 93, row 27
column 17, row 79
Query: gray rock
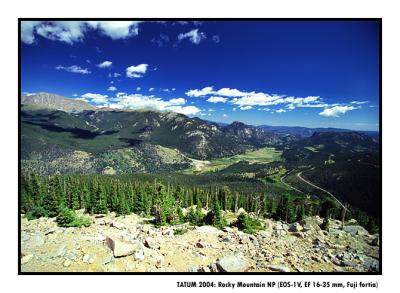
column 26, row 258
column 208, row 230
column 151, row 243
column 107, row 260
column 36, row 241
column 355, row 230
column 50, row 231
column 59, row 252
column 192, row 269
column 168, row 232
column 295, row 227
column 120, row 248
column 117, row 225
column 86, row 258
column 139, row 255
column 233, row 263
column 279, row 268
column 375, row 241
column 200, row 244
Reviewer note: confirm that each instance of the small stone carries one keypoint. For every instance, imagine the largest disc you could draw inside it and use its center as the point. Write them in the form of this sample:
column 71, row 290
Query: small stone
column 26, row 258
column 107, row 260
column 279, row 268
column 50, row 231
column 150, row 243
column 200, row 244
column 139, row 255
column 295, row 227
column 192, row 269
column 86, row 258
column 67, row 263
column 117, row 225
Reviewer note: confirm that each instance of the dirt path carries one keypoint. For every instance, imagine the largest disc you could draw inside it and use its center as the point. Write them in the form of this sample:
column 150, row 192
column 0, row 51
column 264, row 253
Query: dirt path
column 294, row 188
column 317, row 187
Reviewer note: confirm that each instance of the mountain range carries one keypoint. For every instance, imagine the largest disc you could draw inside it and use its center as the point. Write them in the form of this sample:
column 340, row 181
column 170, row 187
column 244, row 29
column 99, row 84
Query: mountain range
column 68, row 135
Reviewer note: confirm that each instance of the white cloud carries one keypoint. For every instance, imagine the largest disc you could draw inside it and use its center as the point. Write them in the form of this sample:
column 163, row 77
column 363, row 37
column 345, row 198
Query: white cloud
column 136, row 71
column 194, row 36
column 177, row 101
column 246, row 108
column 214, row 99
column 151, row 89
column 74, row 31
column 264, row 109
column 88, row 61
column 95, row 98
column 28, row 94
column 337, row 111
column 75, row 95
column 359, row 102
column 231, row 92
column 121, row 94
column 225, row 115
column 82, row 99
column 138, row 101
column 280, row 111
column 112, row 88
column 188, row 110
column 116, row 29
column 200, row 93
column 116, row 74
column 138, row 88
column 27, row 31
column 63, row 31
column 258, row 99
column 74, row 69
column 104, row 64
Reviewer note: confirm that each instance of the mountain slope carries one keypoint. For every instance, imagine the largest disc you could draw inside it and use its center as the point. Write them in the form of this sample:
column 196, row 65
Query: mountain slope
column 56, row 102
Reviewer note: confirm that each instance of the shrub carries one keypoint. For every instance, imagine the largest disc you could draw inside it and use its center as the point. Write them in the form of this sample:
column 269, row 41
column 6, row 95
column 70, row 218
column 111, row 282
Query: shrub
column 180, row 231
column 36, row 212
column 68, row 218
column 195, row 216
column 247, row 224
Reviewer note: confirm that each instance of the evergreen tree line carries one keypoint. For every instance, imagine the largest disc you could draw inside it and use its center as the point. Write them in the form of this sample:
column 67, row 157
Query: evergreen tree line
column 48, row 195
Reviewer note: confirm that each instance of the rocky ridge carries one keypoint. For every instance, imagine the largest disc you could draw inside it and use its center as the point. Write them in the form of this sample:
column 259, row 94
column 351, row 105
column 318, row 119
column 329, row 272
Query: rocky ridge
column 131, row 244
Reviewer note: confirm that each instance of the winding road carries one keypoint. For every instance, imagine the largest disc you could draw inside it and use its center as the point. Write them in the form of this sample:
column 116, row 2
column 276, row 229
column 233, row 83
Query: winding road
column 311, row 184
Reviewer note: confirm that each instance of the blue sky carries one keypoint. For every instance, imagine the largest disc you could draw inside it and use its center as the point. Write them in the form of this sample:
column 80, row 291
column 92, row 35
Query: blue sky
column 299, row 73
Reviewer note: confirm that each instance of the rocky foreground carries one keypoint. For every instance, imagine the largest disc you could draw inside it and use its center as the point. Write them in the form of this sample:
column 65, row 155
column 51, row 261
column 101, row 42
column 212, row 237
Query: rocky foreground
column 132, row 244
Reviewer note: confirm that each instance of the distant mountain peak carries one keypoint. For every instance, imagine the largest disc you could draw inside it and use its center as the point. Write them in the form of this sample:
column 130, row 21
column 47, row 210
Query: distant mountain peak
column 56, row 102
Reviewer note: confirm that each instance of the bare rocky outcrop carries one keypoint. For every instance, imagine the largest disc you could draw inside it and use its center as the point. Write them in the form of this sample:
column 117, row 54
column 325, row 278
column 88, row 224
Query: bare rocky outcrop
column 131, row 244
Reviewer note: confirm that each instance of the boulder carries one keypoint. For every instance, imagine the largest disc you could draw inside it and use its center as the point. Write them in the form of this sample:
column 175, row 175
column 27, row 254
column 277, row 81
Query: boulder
column 295, row 227
column 311, row 223
column 355, row 230
column 117, row 225
column 279, row 268
column 208, row 230
column 86, row 258
column 151, row 243
column 120, row 248
column 26, row 258
column 200, row 244
column 375, row 241
column 233, row 263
